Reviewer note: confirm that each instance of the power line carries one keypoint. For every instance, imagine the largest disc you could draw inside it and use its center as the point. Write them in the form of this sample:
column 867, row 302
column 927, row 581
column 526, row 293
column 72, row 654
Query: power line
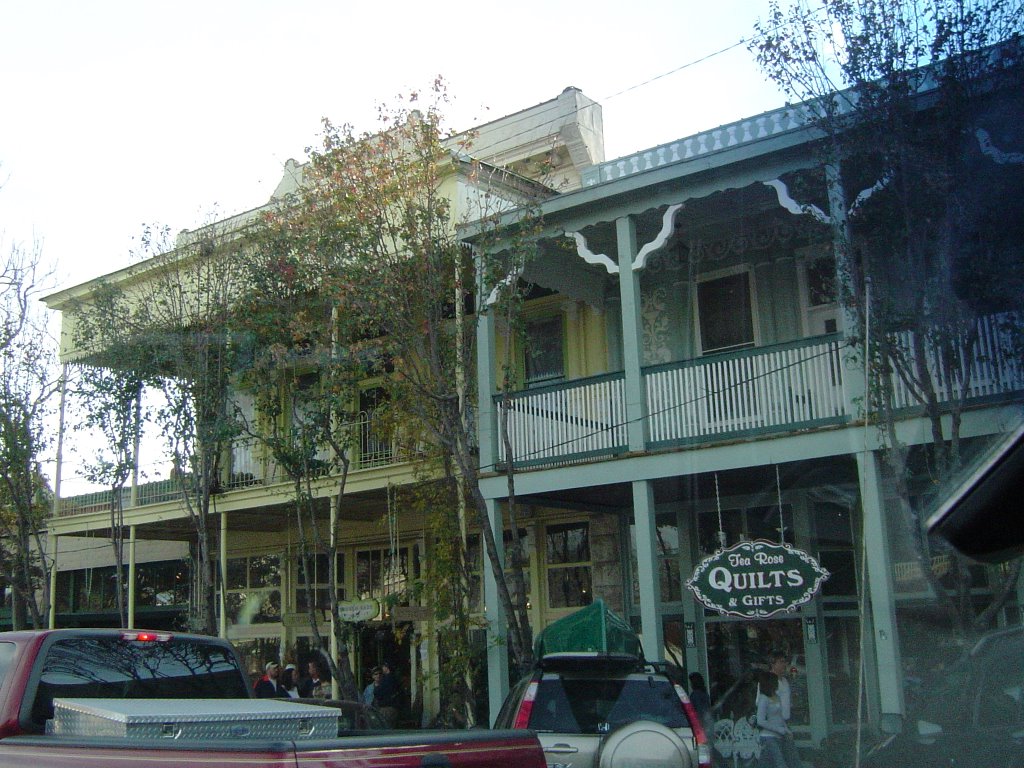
column 481, row 151
column 701, row 59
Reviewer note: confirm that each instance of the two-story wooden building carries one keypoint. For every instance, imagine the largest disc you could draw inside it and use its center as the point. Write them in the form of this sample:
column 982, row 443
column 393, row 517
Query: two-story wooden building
column 692, row 376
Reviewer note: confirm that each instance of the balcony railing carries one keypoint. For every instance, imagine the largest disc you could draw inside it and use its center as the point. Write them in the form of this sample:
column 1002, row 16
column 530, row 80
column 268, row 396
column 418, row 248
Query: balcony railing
column 756, row 391
column 778, row 387
column 556, row 422
column 372, row 447
column 990, row 372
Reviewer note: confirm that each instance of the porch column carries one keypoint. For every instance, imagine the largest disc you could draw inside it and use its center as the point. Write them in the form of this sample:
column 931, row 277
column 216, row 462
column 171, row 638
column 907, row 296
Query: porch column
column 136, row 449
column 883, row 604
column 497, row 636
column 52, row 622
column 334, row 646
column 637, row 431
column 131, row 577
column 854, row 386
column 695, row 655
column 632, row 335
column 57, row 471
column 222, row 629
column 647, row 571
column 486, row 357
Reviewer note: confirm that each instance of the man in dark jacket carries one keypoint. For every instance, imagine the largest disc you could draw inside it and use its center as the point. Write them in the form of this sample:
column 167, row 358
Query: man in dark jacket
column 312, row 686
column 267, row 687
column 387, row 694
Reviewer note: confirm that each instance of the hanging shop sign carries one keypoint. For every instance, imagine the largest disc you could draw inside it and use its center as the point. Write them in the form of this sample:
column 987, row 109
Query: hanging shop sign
column 358, row 610
column 756, row 579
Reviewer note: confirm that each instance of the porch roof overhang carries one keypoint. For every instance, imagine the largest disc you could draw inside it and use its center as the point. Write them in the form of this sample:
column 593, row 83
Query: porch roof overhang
column 665, row 175
column 659, row 183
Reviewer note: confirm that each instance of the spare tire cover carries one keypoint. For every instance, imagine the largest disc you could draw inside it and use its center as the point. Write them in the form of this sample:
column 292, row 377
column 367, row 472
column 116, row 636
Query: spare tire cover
column 644, row 744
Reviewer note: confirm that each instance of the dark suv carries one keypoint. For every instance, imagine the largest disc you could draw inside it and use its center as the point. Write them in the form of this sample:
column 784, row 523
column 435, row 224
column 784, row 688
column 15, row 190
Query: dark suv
column 605, row 712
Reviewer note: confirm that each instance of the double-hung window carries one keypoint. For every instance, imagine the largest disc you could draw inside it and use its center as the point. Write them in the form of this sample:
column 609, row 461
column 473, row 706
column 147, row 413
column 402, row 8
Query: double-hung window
column 544, row 359
column 725, row 313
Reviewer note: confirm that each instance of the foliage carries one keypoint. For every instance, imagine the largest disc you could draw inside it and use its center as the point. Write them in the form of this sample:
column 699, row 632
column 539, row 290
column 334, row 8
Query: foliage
column 303, row 386
column 370, row 241
column 116, row 415
column 28, row 382
column 906, row 95
column 167, row 329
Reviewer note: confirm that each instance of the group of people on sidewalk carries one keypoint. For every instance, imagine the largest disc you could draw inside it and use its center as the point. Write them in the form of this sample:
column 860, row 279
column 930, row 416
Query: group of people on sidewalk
column 774, row 703
column 383, row 692
column 277, row 683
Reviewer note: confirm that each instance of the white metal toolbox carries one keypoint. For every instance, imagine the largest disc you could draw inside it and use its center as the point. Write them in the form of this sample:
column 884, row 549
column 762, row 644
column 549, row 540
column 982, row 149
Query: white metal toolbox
column 206, row 719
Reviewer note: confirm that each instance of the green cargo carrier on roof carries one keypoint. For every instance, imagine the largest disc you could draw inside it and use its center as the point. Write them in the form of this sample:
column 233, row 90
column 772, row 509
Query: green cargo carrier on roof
column 592, row 630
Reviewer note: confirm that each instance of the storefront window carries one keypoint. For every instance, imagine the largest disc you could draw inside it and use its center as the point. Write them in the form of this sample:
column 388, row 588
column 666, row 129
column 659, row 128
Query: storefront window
column 834, row 533
column 842, row 640
column 568, row 564
column 667, row 542
column 254, row 589
column 381, row 572
column 475, row 558
column 675, row 633
column 743, row 524
column 736, row 649
column 162, row 583
column 320, row 583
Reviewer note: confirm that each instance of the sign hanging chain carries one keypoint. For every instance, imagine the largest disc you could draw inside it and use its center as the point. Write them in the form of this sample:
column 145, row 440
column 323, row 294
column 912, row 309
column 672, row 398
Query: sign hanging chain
column 718, row 504
column 778, row 491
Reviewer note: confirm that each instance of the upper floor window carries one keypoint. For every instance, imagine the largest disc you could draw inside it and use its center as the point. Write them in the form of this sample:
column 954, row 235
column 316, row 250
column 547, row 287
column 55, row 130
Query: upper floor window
column 725, row 313
column 818, row 290
column 376, row 447
column 544, row 359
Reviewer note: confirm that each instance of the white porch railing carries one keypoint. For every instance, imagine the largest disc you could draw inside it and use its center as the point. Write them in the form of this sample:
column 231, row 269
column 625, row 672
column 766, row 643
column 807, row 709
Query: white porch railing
column 759, row 389
column 587, row 417
column 247, row 468
column 763, row 389
column 992, row 371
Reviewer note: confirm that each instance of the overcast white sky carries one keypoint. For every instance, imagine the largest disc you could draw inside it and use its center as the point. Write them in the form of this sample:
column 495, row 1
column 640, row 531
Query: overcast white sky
column 114, row 114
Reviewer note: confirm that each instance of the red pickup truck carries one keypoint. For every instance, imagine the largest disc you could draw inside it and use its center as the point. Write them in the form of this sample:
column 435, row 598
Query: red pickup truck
column 69, row 671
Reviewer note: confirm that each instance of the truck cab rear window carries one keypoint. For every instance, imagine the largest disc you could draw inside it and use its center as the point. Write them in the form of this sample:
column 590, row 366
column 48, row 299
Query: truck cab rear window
column 108, row 667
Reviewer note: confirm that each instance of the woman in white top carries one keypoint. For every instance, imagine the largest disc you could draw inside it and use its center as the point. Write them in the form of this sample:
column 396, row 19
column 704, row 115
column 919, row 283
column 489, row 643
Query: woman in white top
column 771, row 722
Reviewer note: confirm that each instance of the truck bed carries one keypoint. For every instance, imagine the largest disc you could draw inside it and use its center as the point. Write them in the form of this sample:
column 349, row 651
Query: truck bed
column 403, row 749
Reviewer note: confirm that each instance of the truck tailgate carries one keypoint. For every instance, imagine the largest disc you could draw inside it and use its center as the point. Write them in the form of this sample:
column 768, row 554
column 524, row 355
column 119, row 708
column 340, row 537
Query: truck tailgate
column 414, row 749
column 59, row 752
